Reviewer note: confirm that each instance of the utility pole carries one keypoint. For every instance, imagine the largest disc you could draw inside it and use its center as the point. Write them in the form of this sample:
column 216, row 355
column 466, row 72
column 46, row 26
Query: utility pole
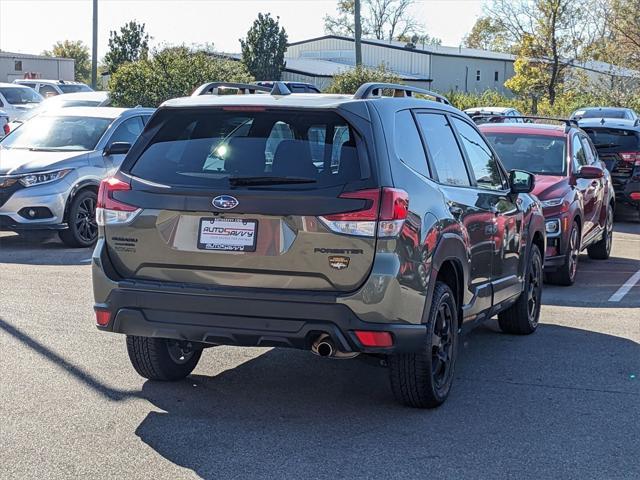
column 94, row 49
column 358, row 25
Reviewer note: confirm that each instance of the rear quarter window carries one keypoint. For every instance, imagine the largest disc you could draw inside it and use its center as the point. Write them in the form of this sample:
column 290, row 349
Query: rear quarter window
column 207, row 147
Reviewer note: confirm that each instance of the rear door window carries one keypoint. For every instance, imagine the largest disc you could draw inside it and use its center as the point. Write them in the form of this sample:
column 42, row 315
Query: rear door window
column 207, row 147
column 443, row 149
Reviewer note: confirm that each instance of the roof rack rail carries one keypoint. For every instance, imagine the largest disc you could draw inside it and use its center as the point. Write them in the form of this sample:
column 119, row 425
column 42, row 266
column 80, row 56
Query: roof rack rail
column 568, row 122
column 213, row 88
column 374, row 89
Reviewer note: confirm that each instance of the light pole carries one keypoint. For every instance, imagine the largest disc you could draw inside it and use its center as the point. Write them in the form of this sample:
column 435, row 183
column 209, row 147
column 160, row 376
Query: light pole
column 94, row 48
column 358, row 32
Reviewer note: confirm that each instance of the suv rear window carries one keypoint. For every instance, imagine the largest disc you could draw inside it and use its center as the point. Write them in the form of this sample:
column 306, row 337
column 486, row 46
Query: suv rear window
column 614, row 139
column 206, row 147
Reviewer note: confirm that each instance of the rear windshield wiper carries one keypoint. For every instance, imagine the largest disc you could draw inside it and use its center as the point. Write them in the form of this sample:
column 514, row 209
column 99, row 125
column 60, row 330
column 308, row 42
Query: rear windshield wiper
column 606, row 145
column 264, row 180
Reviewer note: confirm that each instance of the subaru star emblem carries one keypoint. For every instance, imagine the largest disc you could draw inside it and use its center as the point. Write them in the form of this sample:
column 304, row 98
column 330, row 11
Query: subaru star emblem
column 225, row 202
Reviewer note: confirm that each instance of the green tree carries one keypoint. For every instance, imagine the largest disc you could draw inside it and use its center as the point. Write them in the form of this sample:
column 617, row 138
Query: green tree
column 349, row 81
column 169, row 73
column 549, row 36
column 488, row 34
column 263, row 49
column 79, row 52
column 129, row 45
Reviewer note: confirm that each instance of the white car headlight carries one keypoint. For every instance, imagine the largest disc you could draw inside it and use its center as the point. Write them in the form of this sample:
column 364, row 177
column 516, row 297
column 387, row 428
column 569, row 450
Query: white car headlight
column 33, row 179
column 552, row 202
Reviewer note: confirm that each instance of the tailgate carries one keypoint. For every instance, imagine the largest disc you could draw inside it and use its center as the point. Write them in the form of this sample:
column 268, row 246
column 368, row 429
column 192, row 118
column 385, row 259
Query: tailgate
column 234, row 199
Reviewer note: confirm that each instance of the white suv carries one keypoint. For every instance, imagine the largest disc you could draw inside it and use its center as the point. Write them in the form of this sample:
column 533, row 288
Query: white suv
column 18, row 100
column 50, row 88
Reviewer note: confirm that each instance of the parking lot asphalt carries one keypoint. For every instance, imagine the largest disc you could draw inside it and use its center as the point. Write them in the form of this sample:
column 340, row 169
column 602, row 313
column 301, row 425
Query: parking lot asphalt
column 562, row 403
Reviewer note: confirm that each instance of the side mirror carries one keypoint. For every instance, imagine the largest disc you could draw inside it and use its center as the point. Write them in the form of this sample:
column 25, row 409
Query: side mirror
column 117, row 148
column 587, row 171
column 521, row 181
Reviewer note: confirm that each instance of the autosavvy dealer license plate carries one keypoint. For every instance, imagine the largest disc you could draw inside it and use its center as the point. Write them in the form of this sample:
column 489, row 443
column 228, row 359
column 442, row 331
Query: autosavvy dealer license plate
column 228, row 234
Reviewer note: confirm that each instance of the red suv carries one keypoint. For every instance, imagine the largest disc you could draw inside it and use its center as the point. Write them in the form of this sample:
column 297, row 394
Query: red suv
column 572, row 184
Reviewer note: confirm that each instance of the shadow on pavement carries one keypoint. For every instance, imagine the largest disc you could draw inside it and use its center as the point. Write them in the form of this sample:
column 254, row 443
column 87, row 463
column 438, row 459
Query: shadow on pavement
column 547, row 405
column 40, row 249
column 77, row 372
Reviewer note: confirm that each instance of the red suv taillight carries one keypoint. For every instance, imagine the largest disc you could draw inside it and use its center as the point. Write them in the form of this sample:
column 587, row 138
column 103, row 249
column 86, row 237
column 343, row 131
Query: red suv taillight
column 631, row 157
column 384, row 214
column 6, row 128
column 110, row 211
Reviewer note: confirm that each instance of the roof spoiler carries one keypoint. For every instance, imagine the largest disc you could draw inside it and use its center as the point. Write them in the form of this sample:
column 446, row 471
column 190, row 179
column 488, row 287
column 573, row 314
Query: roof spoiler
column 373, row 89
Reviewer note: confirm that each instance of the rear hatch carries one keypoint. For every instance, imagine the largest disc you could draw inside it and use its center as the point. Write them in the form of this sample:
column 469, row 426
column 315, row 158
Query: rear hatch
column 619, row 149
column 244, row 197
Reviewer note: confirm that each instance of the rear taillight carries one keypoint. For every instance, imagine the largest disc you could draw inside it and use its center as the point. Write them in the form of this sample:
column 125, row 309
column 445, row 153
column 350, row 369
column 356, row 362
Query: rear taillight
column 6, row 129
column 103, row 317
column 374, row 339
column 631, row 157
column 384, row 214
column 110, row 211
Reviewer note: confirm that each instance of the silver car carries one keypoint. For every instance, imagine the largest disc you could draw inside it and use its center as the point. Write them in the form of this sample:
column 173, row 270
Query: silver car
column 51, row 167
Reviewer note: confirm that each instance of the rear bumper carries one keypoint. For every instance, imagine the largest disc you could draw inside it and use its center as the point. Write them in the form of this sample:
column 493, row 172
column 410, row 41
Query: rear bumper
column 228, row 320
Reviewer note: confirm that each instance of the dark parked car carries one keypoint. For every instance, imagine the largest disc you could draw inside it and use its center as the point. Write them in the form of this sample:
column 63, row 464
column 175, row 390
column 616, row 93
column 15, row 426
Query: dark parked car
column 571, row 182
column 618, row 144
column 343, row 225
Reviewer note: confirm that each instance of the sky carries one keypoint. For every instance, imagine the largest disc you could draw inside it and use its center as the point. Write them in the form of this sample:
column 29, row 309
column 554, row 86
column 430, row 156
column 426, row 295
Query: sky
column 31, row 26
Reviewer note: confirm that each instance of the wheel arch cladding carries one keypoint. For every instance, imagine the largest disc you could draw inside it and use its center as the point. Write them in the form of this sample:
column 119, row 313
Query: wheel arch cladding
column 450, row 273
column 77, row 189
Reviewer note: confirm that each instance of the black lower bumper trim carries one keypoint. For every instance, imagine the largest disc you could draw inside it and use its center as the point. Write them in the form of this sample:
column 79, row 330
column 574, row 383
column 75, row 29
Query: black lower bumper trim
column 8, row 223
column 219, row 320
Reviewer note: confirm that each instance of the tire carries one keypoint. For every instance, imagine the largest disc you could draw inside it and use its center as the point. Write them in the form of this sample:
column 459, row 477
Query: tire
column 566, row 273
column 423, row 380
column 522, row 317
column 159, row 358
column 81, row 218
column 602, row 249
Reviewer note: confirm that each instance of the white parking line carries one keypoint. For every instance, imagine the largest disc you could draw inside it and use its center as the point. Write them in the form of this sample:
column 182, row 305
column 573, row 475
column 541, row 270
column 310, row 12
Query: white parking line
column 624, row 289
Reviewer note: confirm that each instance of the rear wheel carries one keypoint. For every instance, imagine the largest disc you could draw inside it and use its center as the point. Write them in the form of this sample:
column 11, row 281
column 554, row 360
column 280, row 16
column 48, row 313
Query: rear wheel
column 81, row 218
column 566, row 274
column 602, row 249
column 161, row 358
column 423, row 379
column 522, row 317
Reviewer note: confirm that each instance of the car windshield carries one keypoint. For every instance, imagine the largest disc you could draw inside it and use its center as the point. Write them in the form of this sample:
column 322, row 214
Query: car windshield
column 208, row 148
column 58, row 133
column 600, row 113
column 74, row 88
column 20, row 95
column 538, row 154
column 614, row 139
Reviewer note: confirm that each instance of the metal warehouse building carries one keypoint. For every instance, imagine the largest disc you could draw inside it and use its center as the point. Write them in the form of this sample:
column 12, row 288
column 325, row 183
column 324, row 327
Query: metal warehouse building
column 19, row 65
column 442, row 68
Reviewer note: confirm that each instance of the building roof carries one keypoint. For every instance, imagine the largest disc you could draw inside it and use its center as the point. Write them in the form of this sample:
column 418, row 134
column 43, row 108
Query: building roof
column 317, row 67
column 419, row 48
column 18, row 56
column 327, row 68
